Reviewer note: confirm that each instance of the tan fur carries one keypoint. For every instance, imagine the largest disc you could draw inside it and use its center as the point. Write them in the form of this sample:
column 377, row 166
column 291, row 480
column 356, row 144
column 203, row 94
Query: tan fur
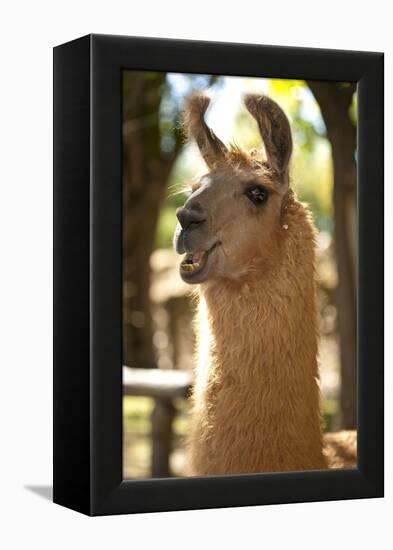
column 256, row 399
column 255, row 405
column 340, row 449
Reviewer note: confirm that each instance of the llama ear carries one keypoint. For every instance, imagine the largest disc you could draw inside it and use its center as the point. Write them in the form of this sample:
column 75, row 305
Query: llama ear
column 212, row 149
column 275, row 131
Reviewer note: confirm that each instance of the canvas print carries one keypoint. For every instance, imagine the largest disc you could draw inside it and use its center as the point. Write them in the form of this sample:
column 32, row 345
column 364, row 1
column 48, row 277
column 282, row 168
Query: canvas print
column 239, row 275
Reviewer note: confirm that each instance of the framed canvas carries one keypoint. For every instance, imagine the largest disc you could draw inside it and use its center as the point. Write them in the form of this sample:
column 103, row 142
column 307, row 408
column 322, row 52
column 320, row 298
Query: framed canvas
column 286, row 390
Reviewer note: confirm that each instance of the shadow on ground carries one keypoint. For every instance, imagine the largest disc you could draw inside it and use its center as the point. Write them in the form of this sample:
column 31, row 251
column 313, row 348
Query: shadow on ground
column 44, row 491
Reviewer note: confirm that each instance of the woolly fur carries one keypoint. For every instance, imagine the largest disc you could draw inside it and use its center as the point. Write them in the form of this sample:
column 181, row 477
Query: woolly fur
column 256, row 397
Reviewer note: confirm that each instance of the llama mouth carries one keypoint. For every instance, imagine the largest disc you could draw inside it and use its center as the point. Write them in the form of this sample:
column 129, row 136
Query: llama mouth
column 194, row 263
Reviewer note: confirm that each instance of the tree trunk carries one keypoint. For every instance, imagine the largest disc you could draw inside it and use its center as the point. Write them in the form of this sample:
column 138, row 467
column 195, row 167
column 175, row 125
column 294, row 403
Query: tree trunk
column 145, row 173
column 334, row 101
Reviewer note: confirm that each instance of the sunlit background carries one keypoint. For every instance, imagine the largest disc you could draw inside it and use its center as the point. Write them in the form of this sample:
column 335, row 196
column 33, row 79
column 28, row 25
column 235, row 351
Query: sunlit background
column 158, row 335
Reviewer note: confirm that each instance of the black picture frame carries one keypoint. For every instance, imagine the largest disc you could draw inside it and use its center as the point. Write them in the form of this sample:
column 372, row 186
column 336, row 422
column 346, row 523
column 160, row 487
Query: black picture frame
column 88, row 275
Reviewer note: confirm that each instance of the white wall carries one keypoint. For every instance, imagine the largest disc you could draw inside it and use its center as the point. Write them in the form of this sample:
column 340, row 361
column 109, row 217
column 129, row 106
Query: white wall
column 28, row 32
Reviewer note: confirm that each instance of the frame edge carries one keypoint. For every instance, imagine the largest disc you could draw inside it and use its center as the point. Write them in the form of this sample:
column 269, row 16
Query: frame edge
column 71, row 273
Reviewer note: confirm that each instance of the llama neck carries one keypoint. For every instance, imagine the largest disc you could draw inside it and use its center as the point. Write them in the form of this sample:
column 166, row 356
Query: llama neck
column 256, row 399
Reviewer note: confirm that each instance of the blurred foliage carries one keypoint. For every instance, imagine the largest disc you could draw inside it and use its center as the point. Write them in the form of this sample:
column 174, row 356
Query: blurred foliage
column 312, row 177
column 136, row 414
column 353, row 110
column 329, row 410
column 137, row 435
column 175, row 198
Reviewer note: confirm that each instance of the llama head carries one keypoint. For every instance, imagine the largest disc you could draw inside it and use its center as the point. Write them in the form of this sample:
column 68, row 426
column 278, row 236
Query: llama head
column 230, row 226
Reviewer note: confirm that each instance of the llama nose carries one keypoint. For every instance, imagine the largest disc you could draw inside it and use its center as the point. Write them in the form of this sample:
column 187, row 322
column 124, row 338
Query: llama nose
column 190, row 218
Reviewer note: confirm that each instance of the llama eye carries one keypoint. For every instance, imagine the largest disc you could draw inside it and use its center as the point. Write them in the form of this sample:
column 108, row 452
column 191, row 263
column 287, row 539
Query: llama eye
column 257, row 195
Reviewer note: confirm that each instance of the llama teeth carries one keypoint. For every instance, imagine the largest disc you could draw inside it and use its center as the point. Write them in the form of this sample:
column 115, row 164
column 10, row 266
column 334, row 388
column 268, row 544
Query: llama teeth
column 192, row 261
column 189, row 267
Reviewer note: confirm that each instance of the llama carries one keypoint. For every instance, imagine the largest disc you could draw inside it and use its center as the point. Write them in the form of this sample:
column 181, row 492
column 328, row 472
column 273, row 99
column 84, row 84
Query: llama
column 249, row 245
